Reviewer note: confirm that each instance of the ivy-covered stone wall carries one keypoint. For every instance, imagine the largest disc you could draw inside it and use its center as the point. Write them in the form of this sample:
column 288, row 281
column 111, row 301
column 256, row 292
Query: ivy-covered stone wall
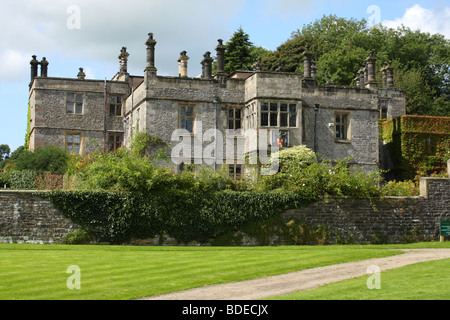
column 31, row 218
column 417, row 145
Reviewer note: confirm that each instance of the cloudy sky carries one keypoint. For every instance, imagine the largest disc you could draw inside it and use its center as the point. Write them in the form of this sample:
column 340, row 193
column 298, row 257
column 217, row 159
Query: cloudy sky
column 89, row 34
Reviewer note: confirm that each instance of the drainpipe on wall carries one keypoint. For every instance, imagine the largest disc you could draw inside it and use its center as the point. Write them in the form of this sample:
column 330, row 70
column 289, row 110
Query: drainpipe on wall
column 104, row 121
column 215, row 133
column 316, row 111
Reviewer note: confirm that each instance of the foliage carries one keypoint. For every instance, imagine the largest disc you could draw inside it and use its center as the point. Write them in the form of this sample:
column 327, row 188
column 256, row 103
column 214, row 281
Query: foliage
column 419, row 146
column 339, row 47
column 76, row 237
column 400, row 189
column 144, row 144
column 238, row 55
column 48, row 159
column 4, row 154
column 23, row 180
column 295, row 158
column 319, row 180
column 185, row 215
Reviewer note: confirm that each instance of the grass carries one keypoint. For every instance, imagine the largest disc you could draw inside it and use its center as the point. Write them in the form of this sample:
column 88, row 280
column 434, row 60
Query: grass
column 423, row 281
column 39, row 272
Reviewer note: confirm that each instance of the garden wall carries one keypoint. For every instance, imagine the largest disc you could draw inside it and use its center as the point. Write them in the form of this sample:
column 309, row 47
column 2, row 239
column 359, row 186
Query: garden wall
column 25, row 217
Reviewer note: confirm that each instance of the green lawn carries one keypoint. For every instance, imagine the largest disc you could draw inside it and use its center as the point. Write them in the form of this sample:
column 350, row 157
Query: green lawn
column 39, row 272
column 422, row 281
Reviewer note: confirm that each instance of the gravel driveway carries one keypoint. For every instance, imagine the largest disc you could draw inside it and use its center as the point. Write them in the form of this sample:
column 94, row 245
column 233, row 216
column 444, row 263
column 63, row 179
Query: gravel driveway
column 303, row 280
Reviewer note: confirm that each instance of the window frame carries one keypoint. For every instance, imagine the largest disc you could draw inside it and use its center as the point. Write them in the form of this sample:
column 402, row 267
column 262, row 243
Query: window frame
column 186, row 117
column 114, row 106
column 344, row 127
column 232, row 169
column 75, row 102
column 119, row 137
column 233, row 120
column 73, row 143
column 282, row 117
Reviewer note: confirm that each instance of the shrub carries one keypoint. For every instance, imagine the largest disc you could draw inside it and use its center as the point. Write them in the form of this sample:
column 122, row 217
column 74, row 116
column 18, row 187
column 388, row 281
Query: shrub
column 77, row 237
column 48, row 159
column 23, row 180
column 400, row 189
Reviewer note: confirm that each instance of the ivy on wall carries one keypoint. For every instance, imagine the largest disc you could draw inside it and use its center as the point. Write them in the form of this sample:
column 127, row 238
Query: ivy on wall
column 418, row 145
column 185, row 215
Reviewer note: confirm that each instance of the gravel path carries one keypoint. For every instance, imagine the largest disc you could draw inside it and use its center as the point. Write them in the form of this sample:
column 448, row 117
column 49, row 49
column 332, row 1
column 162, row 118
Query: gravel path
column 303, row 280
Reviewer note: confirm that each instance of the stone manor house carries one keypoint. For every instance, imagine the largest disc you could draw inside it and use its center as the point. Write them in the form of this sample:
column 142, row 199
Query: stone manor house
column 80, row 114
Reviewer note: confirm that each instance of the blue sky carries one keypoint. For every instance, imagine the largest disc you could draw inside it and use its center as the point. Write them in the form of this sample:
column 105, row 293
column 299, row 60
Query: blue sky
column 89, row 34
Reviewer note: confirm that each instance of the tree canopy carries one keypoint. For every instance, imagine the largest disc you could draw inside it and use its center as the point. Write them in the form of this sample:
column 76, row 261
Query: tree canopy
column 340, row 46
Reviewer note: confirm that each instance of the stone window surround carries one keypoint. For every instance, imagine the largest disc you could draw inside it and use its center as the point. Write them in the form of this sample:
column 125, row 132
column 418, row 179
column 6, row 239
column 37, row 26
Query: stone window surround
column 236, row 171
column 118, row 140
column 346, row 126
column 74, row 102
column 279, row 113
column 234, row 120
column 180, row 117
column 73, row 134
column 114, row 106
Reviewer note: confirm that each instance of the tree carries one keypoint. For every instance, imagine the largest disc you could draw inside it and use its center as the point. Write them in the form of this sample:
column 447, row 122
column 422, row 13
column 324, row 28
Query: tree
column 340, row 46
column 4, row 154
column 238, row 52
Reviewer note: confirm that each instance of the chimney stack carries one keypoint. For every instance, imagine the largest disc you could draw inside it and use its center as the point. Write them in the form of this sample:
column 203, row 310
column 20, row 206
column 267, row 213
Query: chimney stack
column 34, row 68
column 123, row 57
column 183, row 65
column 207, row 66
column 81, row 75
column 389, row 75
column 220, row 57
column 372, row 83
column 151, row 43
column 44, row 67
column 307, row 63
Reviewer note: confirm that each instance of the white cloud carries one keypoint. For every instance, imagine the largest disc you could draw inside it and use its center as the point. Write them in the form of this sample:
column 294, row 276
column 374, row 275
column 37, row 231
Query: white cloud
column 433, row 21
column 15, row 64
column 42, row 27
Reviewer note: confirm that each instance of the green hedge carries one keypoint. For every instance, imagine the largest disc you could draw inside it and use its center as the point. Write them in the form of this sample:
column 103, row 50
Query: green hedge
column 187, row 216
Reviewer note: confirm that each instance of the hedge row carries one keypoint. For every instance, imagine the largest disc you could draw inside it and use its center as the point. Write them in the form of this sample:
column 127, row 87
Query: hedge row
column 187, row 216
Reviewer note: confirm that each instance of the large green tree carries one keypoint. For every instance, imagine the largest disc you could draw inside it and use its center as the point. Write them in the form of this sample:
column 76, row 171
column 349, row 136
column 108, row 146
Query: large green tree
column 340, row 46
column 237, row 54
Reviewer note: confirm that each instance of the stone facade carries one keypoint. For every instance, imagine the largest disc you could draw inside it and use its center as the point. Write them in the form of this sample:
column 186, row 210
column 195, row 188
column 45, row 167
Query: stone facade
column 335, row 121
